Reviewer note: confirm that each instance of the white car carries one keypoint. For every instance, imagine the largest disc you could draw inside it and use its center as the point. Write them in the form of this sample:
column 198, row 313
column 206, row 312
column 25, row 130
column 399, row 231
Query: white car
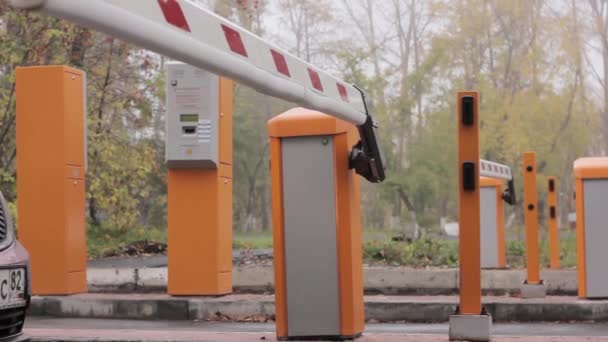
column 15, row 289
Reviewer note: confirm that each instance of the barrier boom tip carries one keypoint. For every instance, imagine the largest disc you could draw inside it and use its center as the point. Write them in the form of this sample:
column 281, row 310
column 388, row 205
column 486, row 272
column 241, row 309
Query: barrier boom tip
column 495, row 170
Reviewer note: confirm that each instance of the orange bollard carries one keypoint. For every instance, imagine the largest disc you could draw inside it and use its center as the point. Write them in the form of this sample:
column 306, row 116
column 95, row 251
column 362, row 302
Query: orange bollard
column 469, row 204
column 531, row 217
column 470, row 322
column 51, row 163
column 533, row 287
column 553, row 222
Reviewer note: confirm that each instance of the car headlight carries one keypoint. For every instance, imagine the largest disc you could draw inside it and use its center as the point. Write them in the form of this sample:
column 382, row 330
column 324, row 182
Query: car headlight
column 7, row 229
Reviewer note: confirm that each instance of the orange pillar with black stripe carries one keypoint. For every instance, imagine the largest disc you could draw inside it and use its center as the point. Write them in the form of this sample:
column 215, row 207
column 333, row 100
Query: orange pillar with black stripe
column 552, row 218
column 51, row 162
column 531, row 218
column 470, row 322
column 317, row 227
column 200, row 208
column 469, row 203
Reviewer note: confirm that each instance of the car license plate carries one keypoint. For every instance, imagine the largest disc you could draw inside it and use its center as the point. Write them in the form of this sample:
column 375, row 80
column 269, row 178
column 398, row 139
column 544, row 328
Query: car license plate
column 12, row 288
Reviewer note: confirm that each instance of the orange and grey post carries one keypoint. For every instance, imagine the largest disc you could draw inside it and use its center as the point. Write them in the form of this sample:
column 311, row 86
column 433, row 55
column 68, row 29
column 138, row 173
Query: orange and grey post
column 470, row 322
column 492, row 225
column 591, row 184
column 533, row 286
column 315, row 202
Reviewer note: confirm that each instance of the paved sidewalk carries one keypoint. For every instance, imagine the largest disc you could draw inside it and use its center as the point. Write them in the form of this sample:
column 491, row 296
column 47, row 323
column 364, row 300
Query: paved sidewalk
column 261, row 307
column 44, row 329
column 82, row 335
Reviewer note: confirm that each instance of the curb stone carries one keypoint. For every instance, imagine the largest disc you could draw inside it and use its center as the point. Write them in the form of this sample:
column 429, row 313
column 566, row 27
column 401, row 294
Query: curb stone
column 247, row 307
column 377, row 280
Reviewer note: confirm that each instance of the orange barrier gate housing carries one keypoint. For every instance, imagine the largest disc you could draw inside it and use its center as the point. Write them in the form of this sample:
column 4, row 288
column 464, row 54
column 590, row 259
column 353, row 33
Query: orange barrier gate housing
column 531, row 218
column 591, row 180
column 51, row 161
column 317, row 227
column 199, row 199
column 553, row 222
column 492, row 221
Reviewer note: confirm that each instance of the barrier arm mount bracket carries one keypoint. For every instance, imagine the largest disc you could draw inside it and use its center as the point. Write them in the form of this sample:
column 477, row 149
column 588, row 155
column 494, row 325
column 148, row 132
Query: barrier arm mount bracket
column 495, row 170
column 366, row 156
column 185, row 31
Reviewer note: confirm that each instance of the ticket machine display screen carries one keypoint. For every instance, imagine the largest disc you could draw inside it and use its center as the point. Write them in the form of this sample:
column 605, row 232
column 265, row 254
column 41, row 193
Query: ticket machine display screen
column 188, row 118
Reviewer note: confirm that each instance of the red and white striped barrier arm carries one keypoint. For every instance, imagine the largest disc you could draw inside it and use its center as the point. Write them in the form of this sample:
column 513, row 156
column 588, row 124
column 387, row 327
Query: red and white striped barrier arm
column 183, row 30
column 494, row 170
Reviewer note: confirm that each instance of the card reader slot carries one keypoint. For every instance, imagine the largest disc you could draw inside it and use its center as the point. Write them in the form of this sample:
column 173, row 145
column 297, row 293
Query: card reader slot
column 189, row 129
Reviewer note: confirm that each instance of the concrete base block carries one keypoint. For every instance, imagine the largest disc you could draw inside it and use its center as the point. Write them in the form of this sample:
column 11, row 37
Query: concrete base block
column 529, row 291
column 470, row 328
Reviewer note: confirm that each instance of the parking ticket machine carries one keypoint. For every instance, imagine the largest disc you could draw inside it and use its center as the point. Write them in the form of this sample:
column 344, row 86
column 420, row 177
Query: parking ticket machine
column 192, row 118
column 199, row 157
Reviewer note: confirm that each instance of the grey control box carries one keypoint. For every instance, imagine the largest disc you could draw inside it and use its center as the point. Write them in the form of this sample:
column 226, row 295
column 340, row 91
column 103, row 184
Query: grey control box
column 192, row 117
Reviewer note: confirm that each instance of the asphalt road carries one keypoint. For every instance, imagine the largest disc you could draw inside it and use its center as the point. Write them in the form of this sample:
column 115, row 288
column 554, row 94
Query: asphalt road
column 58, row 329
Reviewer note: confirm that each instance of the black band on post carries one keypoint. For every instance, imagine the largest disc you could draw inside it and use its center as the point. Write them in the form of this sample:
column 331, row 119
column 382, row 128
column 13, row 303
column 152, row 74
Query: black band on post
column 468, row 110
column 469, row 176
